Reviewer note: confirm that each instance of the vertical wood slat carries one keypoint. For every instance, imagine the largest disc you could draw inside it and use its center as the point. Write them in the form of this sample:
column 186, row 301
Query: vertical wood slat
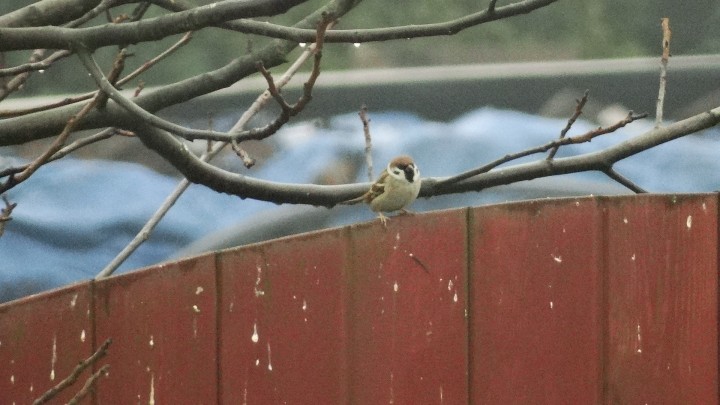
column 162, row 322
column 662, row 300
column 282, row 335
column 536, row 315
column 557, row 290
column 407, row 311
column 42, row 338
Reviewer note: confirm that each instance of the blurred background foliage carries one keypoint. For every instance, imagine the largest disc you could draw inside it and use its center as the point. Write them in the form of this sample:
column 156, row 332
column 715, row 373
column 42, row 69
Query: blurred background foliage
column 568, row 29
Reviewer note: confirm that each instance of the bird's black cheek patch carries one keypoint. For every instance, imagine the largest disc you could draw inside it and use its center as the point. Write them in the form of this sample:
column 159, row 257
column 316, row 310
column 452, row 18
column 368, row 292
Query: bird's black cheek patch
column 409, row 173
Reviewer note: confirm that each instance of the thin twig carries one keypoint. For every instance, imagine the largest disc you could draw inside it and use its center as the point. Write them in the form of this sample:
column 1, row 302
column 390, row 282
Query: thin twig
column 56, row 146
column 76, row 99
column 586, row 137
column 491, row 6
column 117, row 68
column 16, row 82
column 610, row 172
column 71, row 147
column 70, row 379
column 578, row 110
column 89, row 384
column 368, row 141
column 6, row 213
column 35, row 66
column 667, row 34
column 15, row 179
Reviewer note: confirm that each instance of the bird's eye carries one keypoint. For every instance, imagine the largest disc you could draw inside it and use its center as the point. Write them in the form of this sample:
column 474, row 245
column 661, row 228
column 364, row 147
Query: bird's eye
column 397, row 171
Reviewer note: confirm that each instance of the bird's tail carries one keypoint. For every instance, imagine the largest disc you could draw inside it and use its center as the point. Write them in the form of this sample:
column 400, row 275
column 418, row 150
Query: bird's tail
column 353, row 201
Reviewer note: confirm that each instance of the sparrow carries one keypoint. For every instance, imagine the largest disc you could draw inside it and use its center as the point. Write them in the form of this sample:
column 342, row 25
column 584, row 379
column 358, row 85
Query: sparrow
column 396, row 188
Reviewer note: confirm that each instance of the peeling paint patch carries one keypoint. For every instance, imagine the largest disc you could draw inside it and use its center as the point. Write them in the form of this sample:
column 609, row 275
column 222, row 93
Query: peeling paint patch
column 199, row 290
column 558, row 258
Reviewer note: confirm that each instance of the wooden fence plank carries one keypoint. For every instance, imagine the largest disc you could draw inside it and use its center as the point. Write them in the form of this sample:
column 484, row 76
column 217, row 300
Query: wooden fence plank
column 662, row 298
column 535, row 316
column 163, row 325
column 282, row 321
column 42, row 339
column 407, row 311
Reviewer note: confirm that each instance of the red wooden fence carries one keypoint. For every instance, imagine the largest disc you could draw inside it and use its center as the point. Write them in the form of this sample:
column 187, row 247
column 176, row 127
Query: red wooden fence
column 572, row 301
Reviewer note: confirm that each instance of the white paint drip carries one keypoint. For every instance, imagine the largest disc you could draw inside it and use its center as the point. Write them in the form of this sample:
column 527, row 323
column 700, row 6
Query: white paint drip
column 73, row 301
column 54, row 358
column 270, row 368
column 258, row 291
column 551, row 305
column 304, row 305
column 152, row 341
column 151, row 400
column 689, row 222
column 82, row 336
column 455, row 297
column 450, row 285
column 558, row 258
column 199, row 290
column 625, row 220
column 638, row 344
column 255, row 337
column 392, row 387
column 196, row 309
column 396, row 287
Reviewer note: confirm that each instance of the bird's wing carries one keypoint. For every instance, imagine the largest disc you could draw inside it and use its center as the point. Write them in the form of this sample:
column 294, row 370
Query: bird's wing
column 375, row 190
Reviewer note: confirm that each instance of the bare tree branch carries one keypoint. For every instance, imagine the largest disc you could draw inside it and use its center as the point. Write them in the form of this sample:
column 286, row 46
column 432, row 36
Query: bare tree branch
column 285, row 193
column 586, row 137
column 19, row 130
column 50, row 37
column 601, row 160
column 170, row 201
